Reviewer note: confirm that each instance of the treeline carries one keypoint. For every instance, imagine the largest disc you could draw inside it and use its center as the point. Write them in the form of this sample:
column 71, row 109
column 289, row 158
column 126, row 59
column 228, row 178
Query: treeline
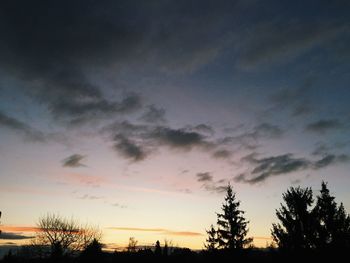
column 304, row 223
column 308, row 228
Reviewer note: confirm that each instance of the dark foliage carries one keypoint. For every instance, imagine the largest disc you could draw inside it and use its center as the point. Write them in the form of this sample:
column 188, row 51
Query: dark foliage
column 295, row 230
column 232, row 227
column 324, row 227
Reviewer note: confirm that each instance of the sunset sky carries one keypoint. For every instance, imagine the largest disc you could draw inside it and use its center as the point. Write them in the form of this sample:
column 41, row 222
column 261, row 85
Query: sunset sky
column 135, row 115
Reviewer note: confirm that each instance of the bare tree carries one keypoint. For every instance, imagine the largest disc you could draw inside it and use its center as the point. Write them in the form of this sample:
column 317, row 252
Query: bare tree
column 63, row 235
column 132, row 245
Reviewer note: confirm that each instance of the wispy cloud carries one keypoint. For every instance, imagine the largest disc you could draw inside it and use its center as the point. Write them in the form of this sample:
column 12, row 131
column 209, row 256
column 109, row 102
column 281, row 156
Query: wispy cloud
column 26, row 130
column 264, row 168
column 331, row 159
column 158, row 231
column 83, row 179
column 90, row 197
column 22, row 229
column 324, row 125
column 154, row 114
column 13, row 236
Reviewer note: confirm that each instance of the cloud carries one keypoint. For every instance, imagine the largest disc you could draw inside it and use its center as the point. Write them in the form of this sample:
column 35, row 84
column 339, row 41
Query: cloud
column 153, row 115
column 83, row 179
column 283, row 39
column 118, row 205
column 90, row 197
column 158, row 230
column 83, row 107
column 73, row 161
column 267, row 130
column 215, row 187
column 136, row 141
column 323, row 126
column 21, row 127
column 331, row 159
column 26, row 229
column 222, row 154
column 129, row 149
column 264, row 168
column 272, row 166
column 203, row 128
column 13, row 236
column 250, row 139
column 204, row 177
column 75, row 45
column 177, row 138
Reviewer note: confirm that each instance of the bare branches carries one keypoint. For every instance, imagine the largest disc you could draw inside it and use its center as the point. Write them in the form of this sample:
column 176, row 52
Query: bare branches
column 65, row 235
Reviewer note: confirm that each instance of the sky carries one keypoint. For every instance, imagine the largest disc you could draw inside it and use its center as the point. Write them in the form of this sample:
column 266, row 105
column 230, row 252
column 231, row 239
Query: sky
column 135, row 115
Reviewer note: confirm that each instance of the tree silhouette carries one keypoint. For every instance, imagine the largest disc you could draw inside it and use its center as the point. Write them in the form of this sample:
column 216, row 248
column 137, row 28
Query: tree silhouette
column 232, row 226
column 158, row 249
column 64, row 236
column 92, row 251
column 0, row 222
column 212, row 240
column 132, row 245
column 333, row 227
column 296, row 229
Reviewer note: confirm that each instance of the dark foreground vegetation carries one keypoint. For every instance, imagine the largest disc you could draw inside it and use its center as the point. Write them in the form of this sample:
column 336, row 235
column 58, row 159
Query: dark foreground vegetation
column 308, row 229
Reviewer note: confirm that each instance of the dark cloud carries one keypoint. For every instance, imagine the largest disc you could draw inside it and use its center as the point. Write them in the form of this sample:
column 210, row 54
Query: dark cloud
column 204, row 177
column 80, row 108
column 57, row 50
column 271, row 166
column 13, row 236
column 323, row 126
column 21, row 127
column 264, row 168
column 331, row 159
column 177, row 138
column 135, row 141
column 154, row 115
column 129, row 149
column 73, row 161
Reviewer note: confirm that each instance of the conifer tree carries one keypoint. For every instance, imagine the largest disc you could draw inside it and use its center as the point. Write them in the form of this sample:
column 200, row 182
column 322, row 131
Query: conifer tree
column 232, row 226
column 212, row 240
column 333, row 227
column 296, row 229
